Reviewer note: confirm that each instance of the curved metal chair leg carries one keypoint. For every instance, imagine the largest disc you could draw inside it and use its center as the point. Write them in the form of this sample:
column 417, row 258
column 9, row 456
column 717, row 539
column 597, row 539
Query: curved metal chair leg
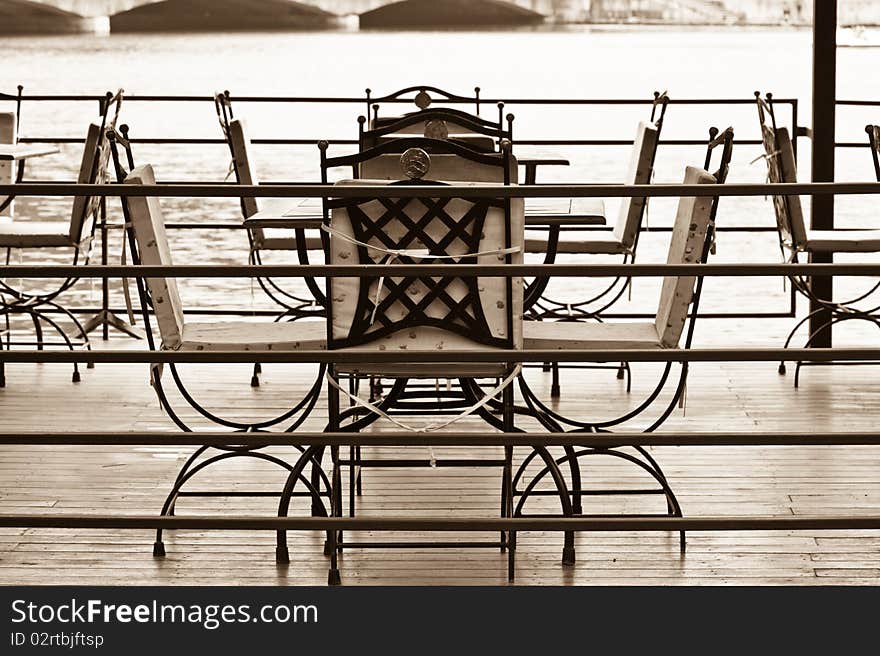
column 576, row 488
column 171, row 498
column 77, row 324
column 185, row 468
column 551, row 467
column 42, row 317
column 38, row 330
column 282, row 554
column 302, row 408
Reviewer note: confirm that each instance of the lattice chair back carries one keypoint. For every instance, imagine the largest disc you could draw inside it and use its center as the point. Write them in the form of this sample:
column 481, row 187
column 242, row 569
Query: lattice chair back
column 148, row 225
column 874, row 141
column 421, row 313
column 782, row 168
column 641, row 168
column 688, row 245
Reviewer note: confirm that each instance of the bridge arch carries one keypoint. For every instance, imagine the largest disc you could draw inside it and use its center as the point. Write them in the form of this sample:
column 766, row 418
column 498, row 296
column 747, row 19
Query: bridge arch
column 26, row 16
column 428, row 13
column 207, row 15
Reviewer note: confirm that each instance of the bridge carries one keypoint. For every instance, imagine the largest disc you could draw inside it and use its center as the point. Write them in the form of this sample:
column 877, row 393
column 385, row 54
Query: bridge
column 42, row 16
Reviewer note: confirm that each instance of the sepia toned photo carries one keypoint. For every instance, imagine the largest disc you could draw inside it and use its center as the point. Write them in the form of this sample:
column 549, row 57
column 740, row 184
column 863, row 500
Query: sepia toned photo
column 436, row 293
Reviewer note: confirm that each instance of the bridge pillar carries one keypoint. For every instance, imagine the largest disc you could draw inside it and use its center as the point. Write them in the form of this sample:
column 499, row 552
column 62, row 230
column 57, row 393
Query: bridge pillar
column 40, row 22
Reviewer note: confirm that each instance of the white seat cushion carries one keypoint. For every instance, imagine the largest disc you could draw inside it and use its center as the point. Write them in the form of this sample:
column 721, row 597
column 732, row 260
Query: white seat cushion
column 843, row 241
column 586, row 242
column 34, row 234
column 255, row 336
column 562, row 335
column 280, row 239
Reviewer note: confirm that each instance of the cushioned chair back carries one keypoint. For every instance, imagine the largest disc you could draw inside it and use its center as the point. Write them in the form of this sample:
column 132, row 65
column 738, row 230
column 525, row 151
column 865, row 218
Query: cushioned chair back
column 7, row 136
column 153, row 249
column 245, row 170
column 443, row 167
column 425, row 314
column 782, row 167
column 641, row 165
column 92, row 170
column 686, row 247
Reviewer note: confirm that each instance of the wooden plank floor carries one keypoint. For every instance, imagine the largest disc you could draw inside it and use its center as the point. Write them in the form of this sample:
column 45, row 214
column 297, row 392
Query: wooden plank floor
column 708, row 481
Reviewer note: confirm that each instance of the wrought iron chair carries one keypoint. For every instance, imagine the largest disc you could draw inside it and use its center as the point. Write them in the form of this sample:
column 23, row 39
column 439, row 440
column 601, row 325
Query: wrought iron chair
column 692, row 240
column 795, row 239
column 76, row 235
column 622, row 240
column 159, row 297
column 421, row 314
column 690, row 243
column 294, row 304
column 447, row 163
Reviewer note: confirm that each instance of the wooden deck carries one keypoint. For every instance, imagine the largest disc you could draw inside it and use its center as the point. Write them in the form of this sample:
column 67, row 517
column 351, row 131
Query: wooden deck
column 708, row 481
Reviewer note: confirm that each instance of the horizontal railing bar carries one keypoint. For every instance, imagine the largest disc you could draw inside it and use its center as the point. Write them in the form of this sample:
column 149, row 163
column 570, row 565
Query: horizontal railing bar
column 444, row 191
column 255, row 523
column 349, row 356
column 268, row 312
column 404, row 101
column 346, row 142
column 444, row 439
column 636, row 270
column 171, row 225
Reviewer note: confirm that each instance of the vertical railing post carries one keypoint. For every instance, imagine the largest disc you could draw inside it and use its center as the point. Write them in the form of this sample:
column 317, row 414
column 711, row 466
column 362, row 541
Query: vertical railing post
column 824, row 137
column 105, row 282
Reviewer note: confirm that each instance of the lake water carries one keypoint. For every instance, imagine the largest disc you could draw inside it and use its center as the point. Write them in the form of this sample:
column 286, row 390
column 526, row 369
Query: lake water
column 573, row 61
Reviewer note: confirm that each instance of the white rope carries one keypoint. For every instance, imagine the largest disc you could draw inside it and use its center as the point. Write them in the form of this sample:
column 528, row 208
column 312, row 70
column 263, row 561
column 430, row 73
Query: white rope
column 427, row 428
column 230, row 171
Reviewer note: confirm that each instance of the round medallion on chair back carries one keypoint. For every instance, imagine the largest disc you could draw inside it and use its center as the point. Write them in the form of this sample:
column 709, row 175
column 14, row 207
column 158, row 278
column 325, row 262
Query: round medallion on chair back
column 423, row 100
column 415, row 163
column 437, row 129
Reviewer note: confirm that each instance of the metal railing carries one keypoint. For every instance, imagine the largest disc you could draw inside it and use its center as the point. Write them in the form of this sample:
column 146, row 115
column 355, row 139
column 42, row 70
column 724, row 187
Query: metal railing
column 363, row 103
column 303, row 439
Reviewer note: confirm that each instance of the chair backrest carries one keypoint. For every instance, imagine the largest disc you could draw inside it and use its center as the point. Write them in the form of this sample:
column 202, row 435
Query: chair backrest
column 425, row 313
column 439, row 123
column 781, row 168
column 245, row 170
column 148, row 225
column 448, row 160
column 687, row 246
column 92, row 170
column 421, row 97
column 874, row 141
column 8, row 135
column 443, row 167
column 641, row 167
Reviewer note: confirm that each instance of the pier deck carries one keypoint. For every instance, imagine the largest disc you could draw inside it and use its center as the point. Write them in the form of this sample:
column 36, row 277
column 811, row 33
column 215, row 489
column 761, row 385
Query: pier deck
column 708, row 480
